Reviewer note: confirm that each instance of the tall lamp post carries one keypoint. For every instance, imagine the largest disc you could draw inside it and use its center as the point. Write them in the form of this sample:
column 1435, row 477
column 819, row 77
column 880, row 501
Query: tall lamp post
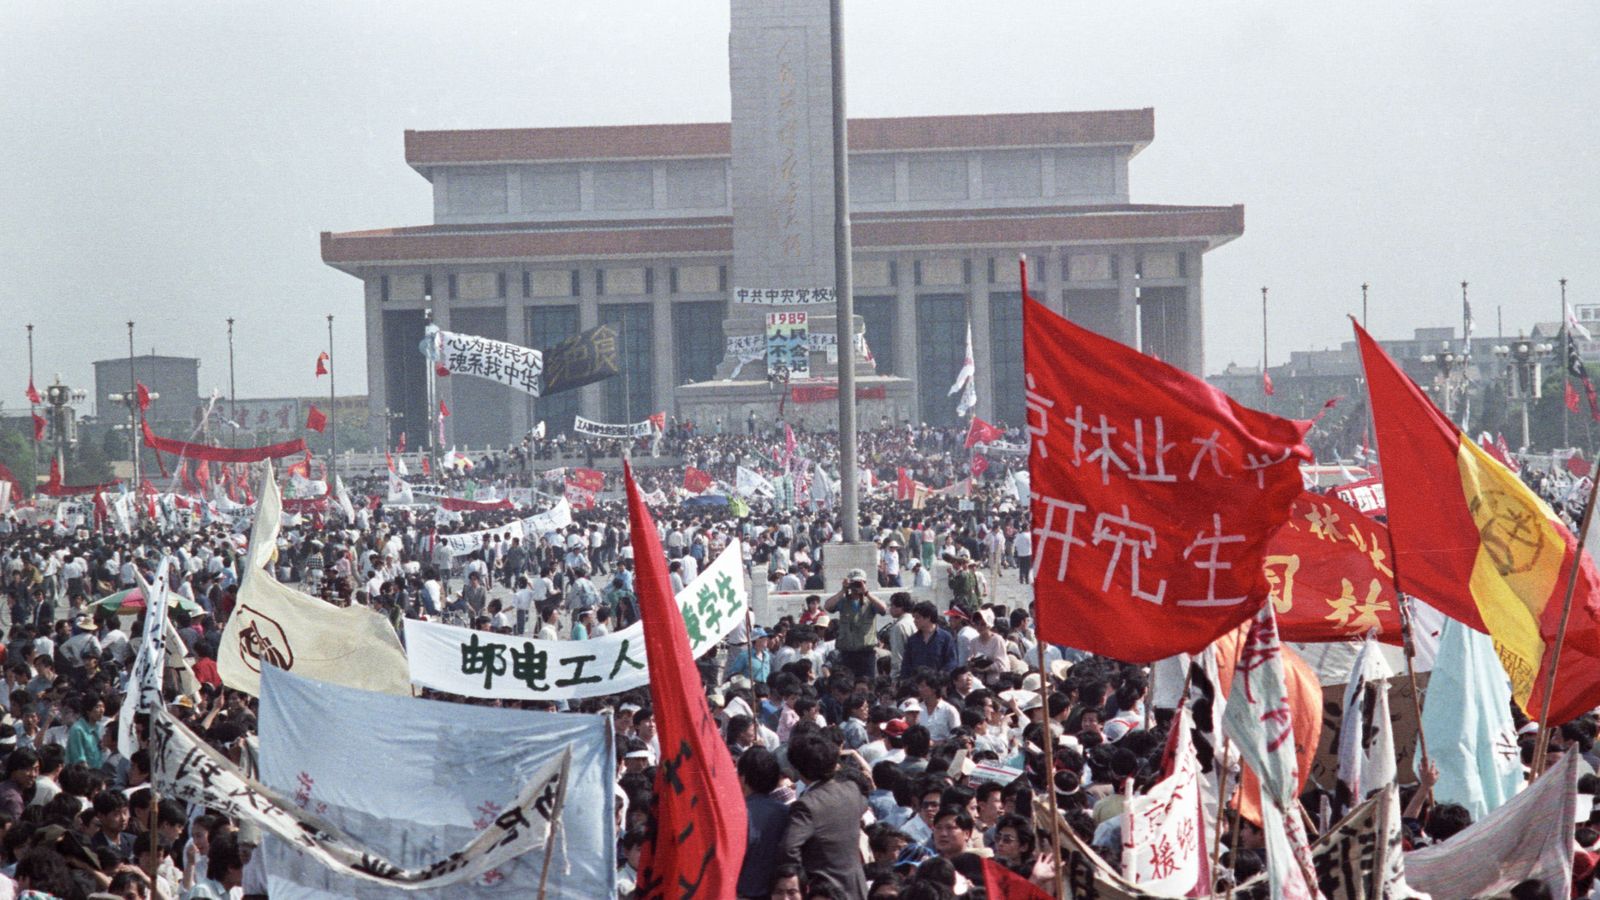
column 63, row 425
column 233, row 392
column 1450, row 364
column 1522, row 360
column 131, row 399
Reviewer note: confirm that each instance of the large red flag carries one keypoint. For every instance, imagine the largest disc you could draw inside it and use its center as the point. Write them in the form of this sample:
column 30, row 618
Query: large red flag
column 699, row 842
column 1154, row 495
column 1331, row 575
column 696, row 481
column 33, row 393
column 979, row 465
column 1482, row 548
column 39, row 425
column 316, row 419
column 981, row 432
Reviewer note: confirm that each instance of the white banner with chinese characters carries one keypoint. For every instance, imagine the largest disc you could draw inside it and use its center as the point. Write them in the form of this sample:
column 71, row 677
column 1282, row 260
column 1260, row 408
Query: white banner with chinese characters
column 1163, row 831
column 745, row 349
column 529, row 530
column 785, row 296
column 512, row 365
column 508, row 667
column 186, row 768
column 617, row 431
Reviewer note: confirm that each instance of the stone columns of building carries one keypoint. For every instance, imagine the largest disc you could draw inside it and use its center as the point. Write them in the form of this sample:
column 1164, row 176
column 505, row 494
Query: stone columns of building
column 1128, row 298
column 590, row 397
column 516, row 333
column 377, row 372
column 1194, row 336
column 982, row 346
column 444, row 391
column 905, row 327
column 662, row 358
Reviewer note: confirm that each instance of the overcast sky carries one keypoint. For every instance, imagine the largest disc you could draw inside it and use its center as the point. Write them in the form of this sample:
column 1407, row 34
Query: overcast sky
column 173, row 163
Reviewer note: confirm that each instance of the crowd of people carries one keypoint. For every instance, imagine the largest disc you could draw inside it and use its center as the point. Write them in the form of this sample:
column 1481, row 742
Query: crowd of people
column 886, row 744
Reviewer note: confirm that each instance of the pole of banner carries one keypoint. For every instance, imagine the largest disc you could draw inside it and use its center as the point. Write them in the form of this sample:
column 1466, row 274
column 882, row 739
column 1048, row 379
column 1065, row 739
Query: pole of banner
column 552, row 834
column 32, row 409
column 1566, row 371
column 433, row 404
column 1050, row 764
column 333, row 415
column 845, row 317
column 133, row 411
column 233, row 392
column 1222, row 810
column 1406, row 631
column 1543, row 743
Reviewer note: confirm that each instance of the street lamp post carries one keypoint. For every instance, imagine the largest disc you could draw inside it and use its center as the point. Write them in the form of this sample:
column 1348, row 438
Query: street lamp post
column 1522, row 360
column 233, row 392
column 1449, row 363
column 133, row 425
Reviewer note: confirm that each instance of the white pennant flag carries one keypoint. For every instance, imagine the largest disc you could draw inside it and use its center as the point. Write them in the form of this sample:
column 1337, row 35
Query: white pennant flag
column 966, row 380
column 1366, row 740
column 144, row 683
column 750, row 483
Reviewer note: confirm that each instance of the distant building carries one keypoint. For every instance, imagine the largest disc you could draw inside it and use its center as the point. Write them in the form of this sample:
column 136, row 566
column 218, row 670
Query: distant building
column 175, row 378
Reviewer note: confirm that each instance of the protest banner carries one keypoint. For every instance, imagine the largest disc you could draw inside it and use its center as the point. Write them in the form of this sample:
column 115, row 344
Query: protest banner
column 186, row 768
column 784, row 296
column 613, row 431
column 528, row 530
column 1402, row 724
column 581, row 359
column 149, row 663
column 186, row 450
column 1163, row 831
column 501, row 666
column 1365, row 495
column 1153, row 495
column 1330, row 575
column 414, row 780
column 788, row 348
column 512, row 365
column 744, row 349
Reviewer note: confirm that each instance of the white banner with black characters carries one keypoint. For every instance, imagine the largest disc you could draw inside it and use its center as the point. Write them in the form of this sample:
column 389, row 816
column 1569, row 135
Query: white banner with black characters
column 186, row 768
column 481, row 664
column 511, row 365
column 784, row 296
column 828, row 344
column 746, row 349
column 144, row 686
column 608, row 430
column 529, row 530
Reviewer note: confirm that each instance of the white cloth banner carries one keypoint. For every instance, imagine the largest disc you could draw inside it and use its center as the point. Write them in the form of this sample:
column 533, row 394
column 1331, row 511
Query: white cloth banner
column 415, row 780
column 1529, row 837
column 528, row 530
column 745, row 349
column 497, row 666
column 608, row 430
column 512, row 365
column 750, row 483
column 784, row 296
column 144, row 684
column 186, row 768
column 1162, row 831
column 1366, row 736
column 553, row 519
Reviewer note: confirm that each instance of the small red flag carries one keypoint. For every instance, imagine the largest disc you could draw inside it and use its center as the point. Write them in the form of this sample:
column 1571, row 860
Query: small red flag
column 659, row 420
column 441, row 370
column 202, row 476
column 904, row 487
column 39, row 425
column 389, row 459
column 1578, row 466
column 322, row 364
column 444, row 411
column 696, row 481
column 143, row 394
column 402, row 447
column 33, row 393
column 185, row 477
column 981, row 432
column 316, row 420
column 1571, row 397
column 1266, row 382
column 980, row 464
column 1154, row 495
column 426, row 468
column 698, row 845
column 1000, row 883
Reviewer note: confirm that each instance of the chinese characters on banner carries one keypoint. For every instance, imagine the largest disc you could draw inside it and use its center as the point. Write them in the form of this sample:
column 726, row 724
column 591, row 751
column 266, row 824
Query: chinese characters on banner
column 508, row 667
column 592, row 428
column 788, row 346
column 1154, row 495
column 511, row 365
column 785, row 296
column 185, row 768
column 581, row 359
column 699, row 841
column 1163, row 832
column 1329, row 574
column 1365, row 495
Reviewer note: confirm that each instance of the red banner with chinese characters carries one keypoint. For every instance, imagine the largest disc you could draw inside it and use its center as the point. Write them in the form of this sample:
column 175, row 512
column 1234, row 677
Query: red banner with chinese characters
column 1154, row 495
column 1331, row 575
column 579, row 497
column 589, row 479
column 1365, row 495
column 698, row 845
column 818, row 393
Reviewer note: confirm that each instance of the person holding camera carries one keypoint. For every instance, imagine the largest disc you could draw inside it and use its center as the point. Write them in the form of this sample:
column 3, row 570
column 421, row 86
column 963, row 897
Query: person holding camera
column 857, row 610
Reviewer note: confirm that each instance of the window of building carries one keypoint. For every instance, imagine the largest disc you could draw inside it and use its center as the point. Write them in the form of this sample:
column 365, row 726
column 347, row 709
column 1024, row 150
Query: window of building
column 699, row 184
column 1086, row 172
column 545, row 326
column 1005, row 348
column 871, row 179
column 630, row 395
column 938, row 177
column 550, row 189
column 941, row 347
column 1011, row 173
column 476, row 192
column 697, row 339
column 629, row 186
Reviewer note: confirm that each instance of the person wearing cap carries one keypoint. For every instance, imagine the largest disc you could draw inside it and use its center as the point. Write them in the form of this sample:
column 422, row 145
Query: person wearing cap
column 83, row 643
column 985, row 641
column 858, row 610
column 755, row 660
column 966, row 585
column 929, row 647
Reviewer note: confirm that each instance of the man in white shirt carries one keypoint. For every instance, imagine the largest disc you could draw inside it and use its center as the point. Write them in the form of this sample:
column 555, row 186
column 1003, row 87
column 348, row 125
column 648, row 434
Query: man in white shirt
column 903, row 628
column 522, row 602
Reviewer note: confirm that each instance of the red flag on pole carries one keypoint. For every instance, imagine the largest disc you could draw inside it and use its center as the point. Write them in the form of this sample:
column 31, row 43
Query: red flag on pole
column 322, row 365
column 1330, row 574
column 698, row 845
column 1000, row 883
column 444, row 411
column 980, row 464
column 40, row 423
column 981, row 432
column 659, row 420
column 33, row 393
column 441, row 370
column 316, row 420
column 202, row 477
column 696, row 481
column 402, row 447
column 426, row 468
column 1266, row 382
column 1154, row 495
column 904, row 487
column 185, row 478
column 143, row 393
column 1571, row 397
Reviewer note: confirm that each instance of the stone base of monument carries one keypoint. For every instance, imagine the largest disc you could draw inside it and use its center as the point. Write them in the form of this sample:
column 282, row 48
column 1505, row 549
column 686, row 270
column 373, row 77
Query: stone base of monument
column 707, row 403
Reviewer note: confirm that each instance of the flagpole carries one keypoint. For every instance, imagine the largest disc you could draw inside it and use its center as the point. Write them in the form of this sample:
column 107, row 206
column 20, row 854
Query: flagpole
column 1049, row 759
column 1222, row 808
column 33, row 410
column 233, row 392
column 433, row 405
column 1406, row 630
column 1566, row 373
column 133, row 411
column 1561, row 631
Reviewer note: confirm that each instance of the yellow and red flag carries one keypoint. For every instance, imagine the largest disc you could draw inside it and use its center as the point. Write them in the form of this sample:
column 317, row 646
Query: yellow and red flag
column 1475, row 542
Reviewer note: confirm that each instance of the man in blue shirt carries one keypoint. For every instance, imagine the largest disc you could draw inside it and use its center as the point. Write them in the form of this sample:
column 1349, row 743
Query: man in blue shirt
column 755, row 661
column 929, row 647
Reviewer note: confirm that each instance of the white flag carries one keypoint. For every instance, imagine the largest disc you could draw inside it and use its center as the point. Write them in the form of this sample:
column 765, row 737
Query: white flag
column 750, row 483
column 966, row 380
column 1162, row 850
column 144, row 683
column 1366, row 740
column 400, row 490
